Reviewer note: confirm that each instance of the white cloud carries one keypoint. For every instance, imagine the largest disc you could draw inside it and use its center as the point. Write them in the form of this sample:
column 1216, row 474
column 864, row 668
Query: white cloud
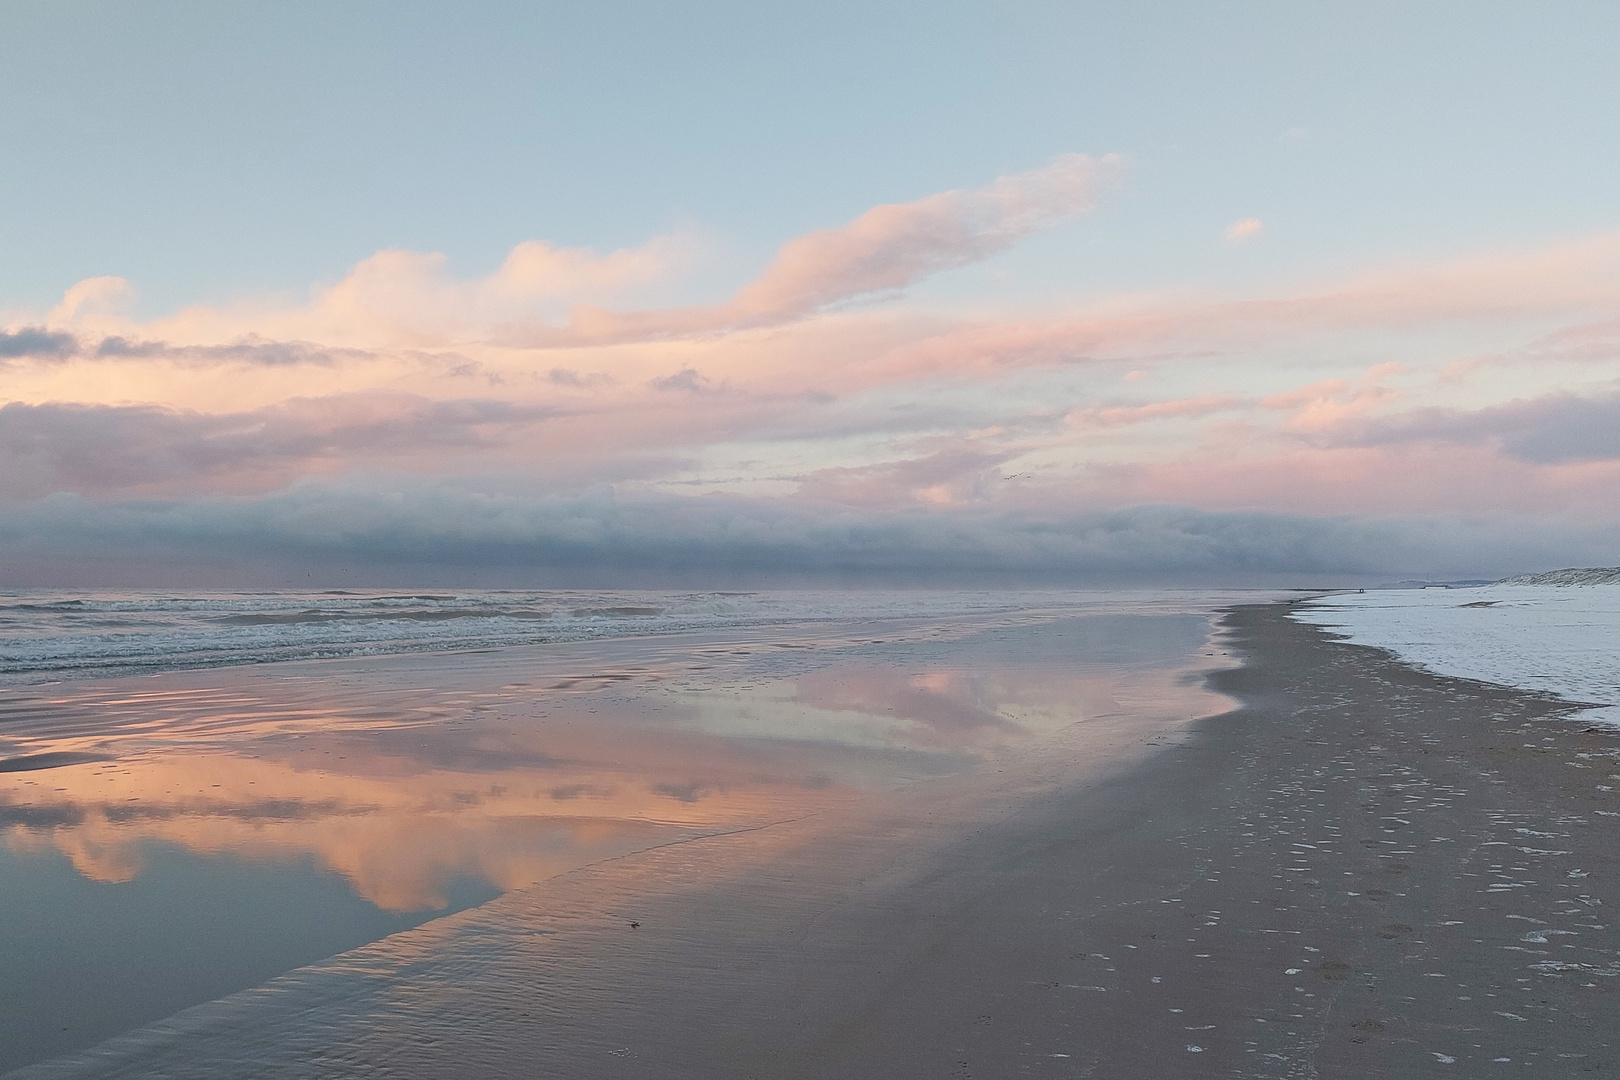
column 1245, row 229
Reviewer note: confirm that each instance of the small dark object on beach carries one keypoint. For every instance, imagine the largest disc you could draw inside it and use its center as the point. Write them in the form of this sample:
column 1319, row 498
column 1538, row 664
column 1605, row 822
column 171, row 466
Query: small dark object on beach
column 635, row 926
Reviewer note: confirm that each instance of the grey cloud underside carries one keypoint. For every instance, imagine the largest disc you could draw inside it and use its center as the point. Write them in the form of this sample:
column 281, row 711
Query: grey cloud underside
column 250, row 350
column 969, row 471
column 444, row 533
column 140, row 449
column 104, row 448
column 37, row 342
column 1541, row 431
column 687, row 379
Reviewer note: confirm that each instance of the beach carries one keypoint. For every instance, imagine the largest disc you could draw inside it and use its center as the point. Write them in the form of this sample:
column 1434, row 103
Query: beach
column 722, row 541
column 1350, row 868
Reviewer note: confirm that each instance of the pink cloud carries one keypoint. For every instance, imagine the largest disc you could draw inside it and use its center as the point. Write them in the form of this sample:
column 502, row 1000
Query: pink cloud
column 882, row 251
column 954, row 476
column 1245, row 229
column 147, row 450
column 790, row 383
column 1589, row 342
column 1532, row 287
column 1408, row 480
column 1324, row 405
column 890, row 247
column 1181, row 408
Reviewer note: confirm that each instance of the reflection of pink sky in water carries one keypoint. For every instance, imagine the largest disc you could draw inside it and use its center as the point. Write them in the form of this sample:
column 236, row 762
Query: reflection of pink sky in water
column 940, row 708
column 400, row 812
column 404, row 774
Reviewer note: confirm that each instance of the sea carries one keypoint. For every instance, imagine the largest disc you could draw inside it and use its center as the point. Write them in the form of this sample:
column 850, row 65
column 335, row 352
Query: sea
column 49, row 635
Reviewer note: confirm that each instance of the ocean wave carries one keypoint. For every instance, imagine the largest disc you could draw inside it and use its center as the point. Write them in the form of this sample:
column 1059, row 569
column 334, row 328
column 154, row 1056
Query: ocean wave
column 431, row 615
column 55, row 634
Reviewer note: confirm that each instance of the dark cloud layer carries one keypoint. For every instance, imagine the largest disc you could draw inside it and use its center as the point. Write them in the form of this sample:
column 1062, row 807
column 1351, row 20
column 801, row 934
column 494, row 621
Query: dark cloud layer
column 100, row 449
column 37, row 342
column 319, row 531
column 249, row 350
column 1541, row 431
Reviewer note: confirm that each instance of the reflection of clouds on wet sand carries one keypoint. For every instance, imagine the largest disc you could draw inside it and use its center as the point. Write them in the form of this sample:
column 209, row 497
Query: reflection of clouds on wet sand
column 403, row 776
column 398, row 824
column 945, row 708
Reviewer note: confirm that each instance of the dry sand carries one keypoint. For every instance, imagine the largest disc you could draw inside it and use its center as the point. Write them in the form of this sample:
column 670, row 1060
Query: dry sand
column 1365, row 871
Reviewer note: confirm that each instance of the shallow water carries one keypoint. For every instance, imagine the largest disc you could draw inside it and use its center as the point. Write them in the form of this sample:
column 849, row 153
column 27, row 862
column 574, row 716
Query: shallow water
column 167, row 840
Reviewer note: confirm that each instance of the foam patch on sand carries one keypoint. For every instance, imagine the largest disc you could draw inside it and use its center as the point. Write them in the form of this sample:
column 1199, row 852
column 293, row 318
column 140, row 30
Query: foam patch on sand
column 1554, row 639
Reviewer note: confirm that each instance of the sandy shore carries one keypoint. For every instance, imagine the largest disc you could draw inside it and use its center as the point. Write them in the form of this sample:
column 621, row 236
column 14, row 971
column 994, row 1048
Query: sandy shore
column 1363, row 871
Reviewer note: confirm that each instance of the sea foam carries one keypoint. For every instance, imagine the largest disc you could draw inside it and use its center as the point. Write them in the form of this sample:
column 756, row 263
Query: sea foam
column 1555, row 633
column 49, row 635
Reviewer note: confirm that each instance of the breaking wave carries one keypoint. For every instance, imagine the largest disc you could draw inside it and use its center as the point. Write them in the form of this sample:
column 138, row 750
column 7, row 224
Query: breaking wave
column 46, row 635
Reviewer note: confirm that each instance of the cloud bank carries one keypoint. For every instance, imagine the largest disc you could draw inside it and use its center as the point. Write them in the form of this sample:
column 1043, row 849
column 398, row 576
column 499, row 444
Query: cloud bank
column 97, row 449
column 438, row 533
column 1551, row 430
column 890, row 247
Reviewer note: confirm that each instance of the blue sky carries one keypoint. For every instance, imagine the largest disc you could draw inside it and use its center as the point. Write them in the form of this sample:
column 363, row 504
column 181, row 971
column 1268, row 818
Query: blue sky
column 204, row 151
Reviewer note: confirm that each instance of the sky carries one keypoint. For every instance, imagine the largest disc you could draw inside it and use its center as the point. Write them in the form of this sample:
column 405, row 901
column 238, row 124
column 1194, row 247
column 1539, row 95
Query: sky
column 944, row 293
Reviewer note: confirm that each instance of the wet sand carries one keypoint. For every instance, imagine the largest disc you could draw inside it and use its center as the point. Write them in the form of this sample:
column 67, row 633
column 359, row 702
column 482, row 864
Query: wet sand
column 203, row 831
column 1363, row 871
column 1366, row 871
